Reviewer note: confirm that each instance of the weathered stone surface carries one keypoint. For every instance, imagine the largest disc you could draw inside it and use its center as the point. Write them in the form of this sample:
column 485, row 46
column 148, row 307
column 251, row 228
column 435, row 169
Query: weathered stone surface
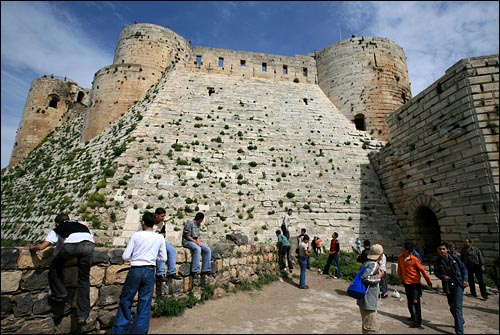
column 35, row 280
column 97, row 275
column 23, row 304
column 109, row 295
column 9, row 258
column 116, row 274
column 10, row 281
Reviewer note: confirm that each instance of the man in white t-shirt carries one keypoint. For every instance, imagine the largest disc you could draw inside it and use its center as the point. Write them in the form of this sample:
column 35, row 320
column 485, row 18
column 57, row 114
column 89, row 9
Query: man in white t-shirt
column 286, row 223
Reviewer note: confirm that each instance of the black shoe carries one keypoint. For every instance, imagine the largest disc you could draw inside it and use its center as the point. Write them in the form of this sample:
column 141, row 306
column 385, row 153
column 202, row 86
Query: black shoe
column 161, row 278
column 81, row 322
column 174, row 276
column 57, row 299
column 474, row 295
column 208, row 273
column 195, row 275
column 416, row 325
column 384, row 296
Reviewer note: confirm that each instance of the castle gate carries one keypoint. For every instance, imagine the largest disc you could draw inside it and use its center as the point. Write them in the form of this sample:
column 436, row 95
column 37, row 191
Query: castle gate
column 428, row 232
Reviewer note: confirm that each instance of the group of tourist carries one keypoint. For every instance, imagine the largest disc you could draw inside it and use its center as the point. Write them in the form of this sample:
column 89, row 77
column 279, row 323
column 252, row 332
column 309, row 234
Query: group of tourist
column 456, row 270
column 147, row 252
column 151, row 256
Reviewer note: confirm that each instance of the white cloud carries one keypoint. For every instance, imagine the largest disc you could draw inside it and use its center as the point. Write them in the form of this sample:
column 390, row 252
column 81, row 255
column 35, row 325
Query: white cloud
column 436, row 34
column 37, row 39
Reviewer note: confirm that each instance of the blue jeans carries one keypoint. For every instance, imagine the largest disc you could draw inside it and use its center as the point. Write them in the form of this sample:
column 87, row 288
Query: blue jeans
column 84, row 252
column 335, row 259
column 142, row 280
column 204, row 251
column 455, row 300
column 171, row 259
column 303, row 267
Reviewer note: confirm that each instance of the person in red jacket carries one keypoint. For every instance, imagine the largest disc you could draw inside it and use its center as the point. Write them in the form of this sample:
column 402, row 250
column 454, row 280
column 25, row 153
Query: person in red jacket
column 410, row 271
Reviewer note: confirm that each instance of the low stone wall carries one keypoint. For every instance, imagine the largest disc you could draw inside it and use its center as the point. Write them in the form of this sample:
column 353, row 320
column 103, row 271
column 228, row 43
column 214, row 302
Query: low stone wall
column 25, row 286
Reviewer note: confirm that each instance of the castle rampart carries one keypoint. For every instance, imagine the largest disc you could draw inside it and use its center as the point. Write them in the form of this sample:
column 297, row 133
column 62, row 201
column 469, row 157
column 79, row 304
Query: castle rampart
column 115, row 89
column 143, row 54
column 48, row 99
column 367, row 79
column 254, row 65
column 440, row 169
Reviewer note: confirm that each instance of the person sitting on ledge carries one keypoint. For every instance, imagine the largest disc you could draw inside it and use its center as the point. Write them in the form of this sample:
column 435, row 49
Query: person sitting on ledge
column 191, row 240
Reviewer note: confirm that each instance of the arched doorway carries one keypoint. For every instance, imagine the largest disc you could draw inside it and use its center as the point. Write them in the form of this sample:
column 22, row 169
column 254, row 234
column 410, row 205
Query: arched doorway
column 53, row 100
column 80, row 96
column 428, row 233
column 359, row 121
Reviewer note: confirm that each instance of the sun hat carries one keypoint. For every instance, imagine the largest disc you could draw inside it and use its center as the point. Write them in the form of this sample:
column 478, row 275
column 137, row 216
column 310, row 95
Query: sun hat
column 375, row 251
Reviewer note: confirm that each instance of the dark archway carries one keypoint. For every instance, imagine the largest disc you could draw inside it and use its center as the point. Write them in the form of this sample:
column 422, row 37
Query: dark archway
column 80, row 97
column 54, row 100
column 428, row 233
column 359, row 121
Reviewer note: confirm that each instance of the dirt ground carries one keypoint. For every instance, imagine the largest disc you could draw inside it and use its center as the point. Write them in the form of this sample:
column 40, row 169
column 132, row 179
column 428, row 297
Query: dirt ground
column 282, row 308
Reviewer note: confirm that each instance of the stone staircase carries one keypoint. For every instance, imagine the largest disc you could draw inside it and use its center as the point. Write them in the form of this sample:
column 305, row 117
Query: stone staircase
column 247, row 150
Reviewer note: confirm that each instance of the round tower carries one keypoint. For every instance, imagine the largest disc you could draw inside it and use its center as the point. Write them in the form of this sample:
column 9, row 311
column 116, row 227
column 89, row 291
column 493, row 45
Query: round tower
column 48, row 100
column 367, row 79
column 144, row 52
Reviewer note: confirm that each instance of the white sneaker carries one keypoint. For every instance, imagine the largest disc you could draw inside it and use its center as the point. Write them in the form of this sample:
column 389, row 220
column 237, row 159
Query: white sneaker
column 284, row 270
column 335, row 277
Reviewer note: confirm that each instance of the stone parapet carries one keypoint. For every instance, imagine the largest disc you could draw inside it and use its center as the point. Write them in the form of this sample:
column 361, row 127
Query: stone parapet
column 25, row 287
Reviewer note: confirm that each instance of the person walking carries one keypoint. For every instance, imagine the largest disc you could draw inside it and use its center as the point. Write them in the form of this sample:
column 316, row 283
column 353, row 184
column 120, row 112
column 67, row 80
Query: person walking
column 161, row 223
column 283, row 251
column 410, row 271
column 191, row 240
column 363, row 256
column 333, row 256
column 473, row 259
column 304, row 251
column 143, row 249
column 369, row 303
column 73, row 239
column 318, row 245
column 453, row 274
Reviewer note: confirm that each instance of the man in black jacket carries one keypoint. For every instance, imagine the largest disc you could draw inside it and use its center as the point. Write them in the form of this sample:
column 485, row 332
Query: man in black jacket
column 73, row 239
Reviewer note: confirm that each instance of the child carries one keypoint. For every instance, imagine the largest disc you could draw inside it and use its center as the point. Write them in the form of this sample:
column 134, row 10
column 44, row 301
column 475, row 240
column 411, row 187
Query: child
column 304, row 251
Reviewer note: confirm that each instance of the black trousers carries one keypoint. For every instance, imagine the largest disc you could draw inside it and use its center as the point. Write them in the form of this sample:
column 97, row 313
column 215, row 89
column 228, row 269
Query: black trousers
column 84, row 253
column 413, row 294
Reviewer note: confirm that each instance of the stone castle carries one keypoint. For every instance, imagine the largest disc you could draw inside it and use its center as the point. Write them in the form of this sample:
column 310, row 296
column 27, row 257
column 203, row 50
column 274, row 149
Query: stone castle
column 242, row 136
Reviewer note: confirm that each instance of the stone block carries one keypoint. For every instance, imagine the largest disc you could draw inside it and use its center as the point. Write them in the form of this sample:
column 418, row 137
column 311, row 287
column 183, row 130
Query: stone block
column 116, row 274
column 10, row 281
column 97, row 275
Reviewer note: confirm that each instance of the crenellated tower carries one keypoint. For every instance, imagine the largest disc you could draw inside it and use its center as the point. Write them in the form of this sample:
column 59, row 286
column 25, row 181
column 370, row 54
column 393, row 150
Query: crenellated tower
column 144, row 52
column 48, row 100
column 367, row 79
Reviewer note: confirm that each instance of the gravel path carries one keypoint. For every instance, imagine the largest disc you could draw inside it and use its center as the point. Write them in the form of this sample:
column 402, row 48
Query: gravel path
column 282, row 308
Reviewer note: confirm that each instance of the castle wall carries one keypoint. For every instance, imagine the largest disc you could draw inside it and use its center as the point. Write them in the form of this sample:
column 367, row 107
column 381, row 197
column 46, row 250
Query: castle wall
column 254, row 65
column 115, row 89
column 144, row 52
column 443, row 155
column 365, row 75
column 48, row 99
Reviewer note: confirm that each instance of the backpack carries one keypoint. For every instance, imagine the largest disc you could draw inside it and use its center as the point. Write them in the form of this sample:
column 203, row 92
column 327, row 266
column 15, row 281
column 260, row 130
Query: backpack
column 357, row 289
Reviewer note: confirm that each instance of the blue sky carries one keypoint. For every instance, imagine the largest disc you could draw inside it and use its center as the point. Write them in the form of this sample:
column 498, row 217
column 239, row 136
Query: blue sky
column 75, row 39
